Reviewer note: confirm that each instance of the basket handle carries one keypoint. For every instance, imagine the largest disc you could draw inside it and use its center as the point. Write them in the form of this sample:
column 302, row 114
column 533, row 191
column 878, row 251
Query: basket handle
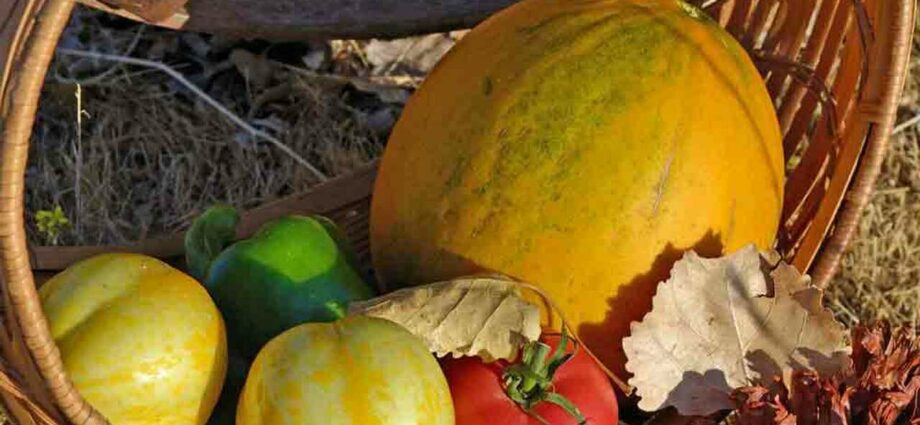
column 24, row 92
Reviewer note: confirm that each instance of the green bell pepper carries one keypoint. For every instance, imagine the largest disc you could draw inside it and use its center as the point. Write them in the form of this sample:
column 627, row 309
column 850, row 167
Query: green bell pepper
column 295, row 269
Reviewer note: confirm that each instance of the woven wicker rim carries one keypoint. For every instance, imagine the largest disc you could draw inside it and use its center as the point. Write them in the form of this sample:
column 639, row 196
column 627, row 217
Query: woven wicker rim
column 25, row 89
column 878, row 107
column 883, row 113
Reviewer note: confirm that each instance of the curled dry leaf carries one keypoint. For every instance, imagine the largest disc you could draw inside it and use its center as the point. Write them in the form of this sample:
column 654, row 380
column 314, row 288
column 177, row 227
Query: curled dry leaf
column 476, row 316
column 882, row 387
column 256, row 69
column 417, row 55
column 721, row 324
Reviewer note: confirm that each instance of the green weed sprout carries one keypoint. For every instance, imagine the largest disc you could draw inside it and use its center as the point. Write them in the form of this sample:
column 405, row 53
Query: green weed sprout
column 51, row 224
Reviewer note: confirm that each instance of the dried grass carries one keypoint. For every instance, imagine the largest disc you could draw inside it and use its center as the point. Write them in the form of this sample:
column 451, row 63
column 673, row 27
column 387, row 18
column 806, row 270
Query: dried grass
column 149, row 155
column 880, row 274
column 147, row 162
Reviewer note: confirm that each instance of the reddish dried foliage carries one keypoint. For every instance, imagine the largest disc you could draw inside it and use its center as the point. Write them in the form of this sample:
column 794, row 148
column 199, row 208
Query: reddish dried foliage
column 882, row 387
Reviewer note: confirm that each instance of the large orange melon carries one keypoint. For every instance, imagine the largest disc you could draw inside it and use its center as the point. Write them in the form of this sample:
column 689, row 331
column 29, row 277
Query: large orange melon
column 581, row 146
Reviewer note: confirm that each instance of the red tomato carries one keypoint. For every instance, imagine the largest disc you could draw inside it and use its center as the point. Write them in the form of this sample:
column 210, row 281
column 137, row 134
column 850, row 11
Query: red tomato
column 480, row 398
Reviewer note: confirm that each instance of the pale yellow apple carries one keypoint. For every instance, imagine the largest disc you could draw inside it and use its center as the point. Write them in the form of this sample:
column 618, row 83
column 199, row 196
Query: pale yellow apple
column 142, row 341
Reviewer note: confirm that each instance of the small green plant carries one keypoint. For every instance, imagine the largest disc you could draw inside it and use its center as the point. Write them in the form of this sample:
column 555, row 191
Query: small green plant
column 51, row 223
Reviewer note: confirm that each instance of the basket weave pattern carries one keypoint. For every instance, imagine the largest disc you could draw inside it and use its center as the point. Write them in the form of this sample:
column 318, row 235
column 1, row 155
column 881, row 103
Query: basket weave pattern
column 835, row 68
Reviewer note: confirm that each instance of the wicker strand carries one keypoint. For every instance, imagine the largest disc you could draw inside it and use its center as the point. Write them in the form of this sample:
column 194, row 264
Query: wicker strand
column 17, row 273
column 9, row 386
column 895, row 52
column 804, row 75
column 18, row 38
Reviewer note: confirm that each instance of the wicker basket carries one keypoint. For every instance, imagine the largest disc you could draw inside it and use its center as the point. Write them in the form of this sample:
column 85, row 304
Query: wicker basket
column 836, row 69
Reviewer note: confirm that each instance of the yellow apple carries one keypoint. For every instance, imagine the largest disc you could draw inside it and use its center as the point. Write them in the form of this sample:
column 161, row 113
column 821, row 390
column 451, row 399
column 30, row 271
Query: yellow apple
column 142, row 341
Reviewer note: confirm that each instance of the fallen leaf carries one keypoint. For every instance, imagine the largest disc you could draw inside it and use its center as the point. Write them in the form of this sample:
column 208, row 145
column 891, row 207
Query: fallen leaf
column 386, row 93
column 380, row 121
column 314, row 59
column 475, row 316
column 881, row 387
column 720, row 324
column 416, row 55
column 196, row 43
column 389, row 89
column 256, row 69
column 670, row 416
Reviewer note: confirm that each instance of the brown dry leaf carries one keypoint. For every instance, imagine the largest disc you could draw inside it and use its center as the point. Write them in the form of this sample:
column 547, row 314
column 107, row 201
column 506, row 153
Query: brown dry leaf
column 388, row 93
column 416, row 55
column 389, row 89
column 256, row 69
column 474, row 316
column 721, row 324
column 882, row 387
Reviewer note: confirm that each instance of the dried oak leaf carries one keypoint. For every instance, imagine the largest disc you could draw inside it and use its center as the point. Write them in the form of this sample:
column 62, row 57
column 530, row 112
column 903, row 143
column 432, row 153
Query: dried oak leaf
column 881, row 387
column 886, row 366
column 475, row 316
column 720, row 324
column 416, row 55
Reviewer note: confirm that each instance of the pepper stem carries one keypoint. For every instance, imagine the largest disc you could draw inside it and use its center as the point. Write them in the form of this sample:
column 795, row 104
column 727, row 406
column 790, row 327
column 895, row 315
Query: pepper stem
column 529, row 382
column 210, row 233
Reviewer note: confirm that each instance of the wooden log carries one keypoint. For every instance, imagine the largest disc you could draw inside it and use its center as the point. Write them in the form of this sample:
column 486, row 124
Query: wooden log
column 149, row 10
column 291, row 20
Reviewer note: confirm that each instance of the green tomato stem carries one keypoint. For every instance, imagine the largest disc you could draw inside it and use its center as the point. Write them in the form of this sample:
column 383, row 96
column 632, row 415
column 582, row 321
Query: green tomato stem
column 536, row 368
column 529, row 382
